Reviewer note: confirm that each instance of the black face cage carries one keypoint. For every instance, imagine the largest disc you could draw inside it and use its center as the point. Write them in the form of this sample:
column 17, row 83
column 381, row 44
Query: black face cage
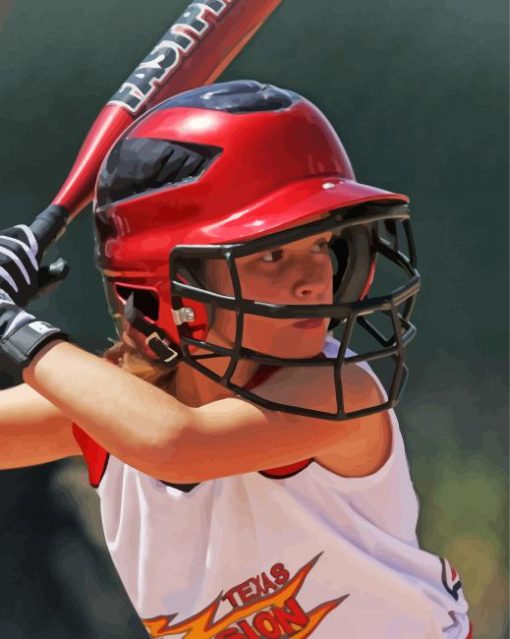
column 363, row 234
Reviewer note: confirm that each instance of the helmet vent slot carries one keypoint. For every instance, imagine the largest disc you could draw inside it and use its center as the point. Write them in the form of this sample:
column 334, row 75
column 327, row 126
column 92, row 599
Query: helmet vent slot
column 138, row 165
column 145, row 301
column 238, row 96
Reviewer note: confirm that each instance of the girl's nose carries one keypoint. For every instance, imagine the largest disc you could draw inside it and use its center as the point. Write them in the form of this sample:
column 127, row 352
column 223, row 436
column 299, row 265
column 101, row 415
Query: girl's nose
column 313, row 282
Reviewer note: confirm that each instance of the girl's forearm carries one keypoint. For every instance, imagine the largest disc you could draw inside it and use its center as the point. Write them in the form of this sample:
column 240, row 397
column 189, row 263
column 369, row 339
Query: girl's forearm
column 129, row 417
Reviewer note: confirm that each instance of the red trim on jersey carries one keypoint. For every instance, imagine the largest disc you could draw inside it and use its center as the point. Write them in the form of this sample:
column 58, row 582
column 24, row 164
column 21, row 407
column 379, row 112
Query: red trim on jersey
column 95, row 455
column 282, row 472
column 470, row 633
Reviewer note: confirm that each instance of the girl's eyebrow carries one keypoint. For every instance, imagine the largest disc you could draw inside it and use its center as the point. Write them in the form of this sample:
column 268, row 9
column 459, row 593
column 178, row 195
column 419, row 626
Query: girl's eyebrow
column 327, row 235
column 319, row 238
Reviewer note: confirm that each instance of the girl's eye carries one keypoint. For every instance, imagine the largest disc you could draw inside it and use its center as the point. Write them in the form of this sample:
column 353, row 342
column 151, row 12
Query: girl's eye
column 269, row 257
column 320, row 247
column 272, row 256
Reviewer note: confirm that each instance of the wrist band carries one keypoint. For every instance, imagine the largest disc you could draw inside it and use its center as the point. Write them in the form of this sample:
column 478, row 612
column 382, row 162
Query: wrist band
column 24, row 344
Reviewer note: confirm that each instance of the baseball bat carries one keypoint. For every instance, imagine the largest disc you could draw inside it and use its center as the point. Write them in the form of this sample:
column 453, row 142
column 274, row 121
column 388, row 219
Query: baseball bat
column 192, row 52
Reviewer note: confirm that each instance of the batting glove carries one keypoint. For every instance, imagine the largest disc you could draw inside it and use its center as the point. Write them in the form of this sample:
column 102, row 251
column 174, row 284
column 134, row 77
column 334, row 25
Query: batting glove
column 21, row 276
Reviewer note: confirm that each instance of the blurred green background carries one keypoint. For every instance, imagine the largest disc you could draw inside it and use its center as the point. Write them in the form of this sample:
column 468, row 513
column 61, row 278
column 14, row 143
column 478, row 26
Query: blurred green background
column 418, row 93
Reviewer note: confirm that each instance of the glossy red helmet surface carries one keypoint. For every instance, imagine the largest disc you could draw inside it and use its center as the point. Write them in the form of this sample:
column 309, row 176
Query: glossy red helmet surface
column 224, row 163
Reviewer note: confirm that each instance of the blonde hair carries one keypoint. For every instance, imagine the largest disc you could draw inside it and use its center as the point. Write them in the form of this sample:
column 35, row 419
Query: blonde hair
column 135, row 362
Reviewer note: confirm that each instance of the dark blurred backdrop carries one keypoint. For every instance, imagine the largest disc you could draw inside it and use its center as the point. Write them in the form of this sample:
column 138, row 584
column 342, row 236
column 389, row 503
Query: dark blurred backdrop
column 418, row 93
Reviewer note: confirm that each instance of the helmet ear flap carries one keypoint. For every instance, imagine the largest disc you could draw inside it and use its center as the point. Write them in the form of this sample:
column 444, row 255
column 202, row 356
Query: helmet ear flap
column 334, row 261
column 142, row 301
column 352, row 257
column 192, row 272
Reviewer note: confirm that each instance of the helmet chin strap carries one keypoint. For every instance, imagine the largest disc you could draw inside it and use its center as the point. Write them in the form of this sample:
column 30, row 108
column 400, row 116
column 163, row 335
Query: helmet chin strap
column 156, row 340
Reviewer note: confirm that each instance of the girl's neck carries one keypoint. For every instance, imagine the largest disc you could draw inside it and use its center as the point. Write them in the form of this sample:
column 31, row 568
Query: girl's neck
column 192, row 388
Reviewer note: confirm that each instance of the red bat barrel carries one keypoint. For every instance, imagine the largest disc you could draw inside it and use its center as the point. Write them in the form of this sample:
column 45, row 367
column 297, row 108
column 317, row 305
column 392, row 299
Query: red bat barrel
column 194, row 51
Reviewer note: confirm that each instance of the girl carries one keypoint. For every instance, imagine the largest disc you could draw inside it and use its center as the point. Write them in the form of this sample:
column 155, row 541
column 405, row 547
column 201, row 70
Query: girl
column 252, row 475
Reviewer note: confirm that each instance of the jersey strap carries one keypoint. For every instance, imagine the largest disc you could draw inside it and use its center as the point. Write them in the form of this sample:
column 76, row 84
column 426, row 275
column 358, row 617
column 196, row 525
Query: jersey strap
column 95, row 455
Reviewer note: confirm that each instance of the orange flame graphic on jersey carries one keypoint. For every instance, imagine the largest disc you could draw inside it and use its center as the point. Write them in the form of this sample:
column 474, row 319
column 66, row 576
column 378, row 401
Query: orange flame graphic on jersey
column 276, row 613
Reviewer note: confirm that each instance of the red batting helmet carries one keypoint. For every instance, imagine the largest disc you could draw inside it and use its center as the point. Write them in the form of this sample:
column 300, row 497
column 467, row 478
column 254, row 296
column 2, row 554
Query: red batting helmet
column 219, row 171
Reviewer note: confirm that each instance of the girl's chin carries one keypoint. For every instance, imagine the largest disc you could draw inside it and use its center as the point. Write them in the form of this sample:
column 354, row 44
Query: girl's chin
column 304, row 349
column 291, row 343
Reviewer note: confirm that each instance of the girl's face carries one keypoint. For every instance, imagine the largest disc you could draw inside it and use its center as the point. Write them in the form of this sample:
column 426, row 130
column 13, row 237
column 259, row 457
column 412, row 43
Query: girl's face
column 300, row 272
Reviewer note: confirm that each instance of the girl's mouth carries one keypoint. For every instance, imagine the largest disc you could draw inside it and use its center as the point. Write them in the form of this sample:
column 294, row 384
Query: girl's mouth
column 309, row 323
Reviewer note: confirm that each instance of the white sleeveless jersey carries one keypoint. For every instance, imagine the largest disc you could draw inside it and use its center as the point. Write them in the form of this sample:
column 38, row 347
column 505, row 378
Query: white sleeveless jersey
column 298, row 553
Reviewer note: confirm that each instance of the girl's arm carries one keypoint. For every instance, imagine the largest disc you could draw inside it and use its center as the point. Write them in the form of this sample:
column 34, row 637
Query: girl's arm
column 127, row 416
column 32, row 430
column 153, row 432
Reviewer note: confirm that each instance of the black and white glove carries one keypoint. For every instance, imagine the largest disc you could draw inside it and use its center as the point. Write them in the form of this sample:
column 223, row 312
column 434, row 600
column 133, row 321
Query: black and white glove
column 22, row 279
column 21, row 276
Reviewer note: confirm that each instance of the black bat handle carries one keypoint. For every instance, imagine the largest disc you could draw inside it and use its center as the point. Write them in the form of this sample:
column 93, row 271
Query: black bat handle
column 49, row 226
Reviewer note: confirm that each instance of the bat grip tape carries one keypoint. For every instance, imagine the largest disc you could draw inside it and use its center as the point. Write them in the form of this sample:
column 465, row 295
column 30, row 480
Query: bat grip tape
column 49, row 226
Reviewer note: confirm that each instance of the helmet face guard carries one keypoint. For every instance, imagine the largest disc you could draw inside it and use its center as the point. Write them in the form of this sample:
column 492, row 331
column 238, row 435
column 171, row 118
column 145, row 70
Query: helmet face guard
column 362, row 236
